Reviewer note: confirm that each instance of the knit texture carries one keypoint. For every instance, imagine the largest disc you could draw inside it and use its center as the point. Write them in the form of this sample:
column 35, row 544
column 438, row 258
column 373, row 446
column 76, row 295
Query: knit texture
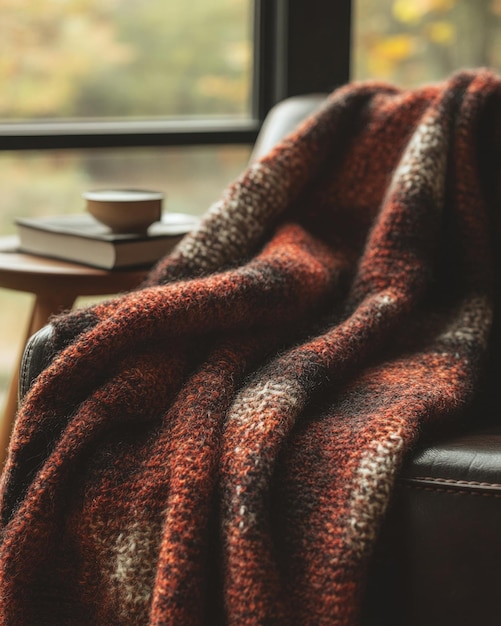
column 220, row 445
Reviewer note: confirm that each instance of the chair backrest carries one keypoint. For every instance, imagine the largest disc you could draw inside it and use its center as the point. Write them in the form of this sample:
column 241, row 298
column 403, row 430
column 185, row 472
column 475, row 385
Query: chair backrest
column 282, row 119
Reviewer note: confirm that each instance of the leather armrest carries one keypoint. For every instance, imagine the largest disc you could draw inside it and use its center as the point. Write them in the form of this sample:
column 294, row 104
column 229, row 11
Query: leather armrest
column 438, row 560
column 36, row 356
column 282, row 119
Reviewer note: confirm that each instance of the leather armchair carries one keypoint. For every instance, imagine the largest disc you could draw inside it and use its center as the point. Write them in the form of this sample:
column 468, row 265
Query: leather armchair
column 438, row 561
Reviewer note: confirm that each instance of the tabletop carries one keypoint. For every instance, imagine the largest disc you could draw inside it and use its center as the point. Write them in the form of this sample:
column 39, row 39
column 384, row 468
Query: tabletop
column 36, row 274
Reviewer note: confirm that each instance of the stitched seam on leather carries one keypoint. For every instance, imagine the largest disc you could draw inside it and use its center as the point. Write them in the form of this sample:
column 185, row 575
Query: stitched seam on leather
column 453, row 481
column 460, row 492
column 26, row 360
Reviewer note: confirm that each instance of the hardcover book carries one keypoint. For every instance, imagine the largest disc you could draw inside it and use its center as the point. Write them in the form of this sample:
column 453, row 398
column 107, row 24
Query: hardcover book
column 83, row 239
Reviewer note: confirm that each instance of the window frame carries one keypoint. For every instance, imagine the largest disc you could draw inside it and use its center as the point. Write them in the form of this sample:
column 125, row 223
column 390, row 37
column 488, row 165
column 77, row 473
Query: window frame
column 298, row 48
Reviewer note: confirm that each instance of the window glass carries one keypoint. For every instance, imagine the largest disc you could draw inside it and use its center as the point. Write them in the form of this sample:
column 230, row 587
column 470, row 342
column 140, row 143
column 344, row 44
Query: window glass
column 124, row 58
column 414, row 41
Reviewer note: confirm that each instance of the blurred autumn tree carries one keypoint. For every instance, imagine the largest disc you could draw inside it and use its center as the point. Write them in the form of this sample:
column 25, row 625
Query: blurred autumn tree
column 47, row 49
column 414, row 41
column 189, row 59
column 99, row 58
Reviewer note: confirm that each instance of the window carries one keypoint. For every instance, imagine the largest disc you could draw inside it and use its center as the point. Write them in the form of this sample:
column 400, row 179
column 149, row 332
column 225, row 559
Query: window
column 86, row 75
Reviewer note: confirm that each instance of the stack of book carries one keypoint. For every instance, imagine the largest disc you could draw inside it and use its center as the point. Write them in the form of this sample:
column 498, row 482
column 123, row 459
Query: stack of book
column 82, row 239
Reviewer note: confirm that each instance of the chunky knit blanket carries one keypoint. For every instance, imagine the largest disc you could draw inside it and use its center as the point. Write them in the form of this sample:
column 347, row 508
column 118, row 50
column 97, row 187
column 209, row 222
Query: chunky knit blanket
column 219, row 446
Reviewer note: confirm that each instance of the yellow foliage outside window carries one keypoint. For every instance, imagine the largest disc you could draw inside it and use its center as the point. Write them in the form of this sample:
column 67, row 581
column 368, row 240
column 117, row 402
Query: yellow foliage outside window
column 441, row 32
column 411, row 42
column 395, row 47
column 413, row 11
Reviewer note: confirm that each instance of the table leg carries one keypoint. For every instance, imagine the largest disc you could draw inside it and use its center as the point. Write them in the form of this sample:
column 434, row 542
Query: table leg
column 43, row 308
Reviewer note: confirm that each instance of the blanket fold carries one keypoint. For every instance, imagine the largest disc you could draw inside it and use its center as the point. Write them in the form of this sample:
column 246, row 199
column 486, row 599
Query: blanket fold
column 220, row 445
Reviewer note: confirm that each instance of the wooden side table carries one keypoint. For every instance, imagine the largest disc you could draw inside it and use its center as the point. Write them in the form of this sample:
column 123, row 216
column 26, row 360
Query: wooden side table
column 56, row 285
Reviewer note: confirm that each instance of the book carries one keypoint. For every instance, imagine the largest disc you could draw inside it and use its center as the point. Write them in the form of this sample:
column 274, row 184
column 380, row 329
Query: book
column 82, row 239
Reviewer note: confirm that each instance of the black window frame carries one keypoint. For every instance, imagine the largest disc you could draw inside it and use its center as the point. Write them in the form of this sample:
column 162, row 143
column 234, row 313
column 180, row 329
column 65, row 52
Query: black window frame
column 299, row 47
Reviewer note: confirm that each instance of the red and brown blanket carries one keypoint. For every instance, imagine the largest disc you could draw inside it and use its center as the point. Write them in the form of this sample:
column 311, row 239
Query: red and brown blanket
column 219, row 446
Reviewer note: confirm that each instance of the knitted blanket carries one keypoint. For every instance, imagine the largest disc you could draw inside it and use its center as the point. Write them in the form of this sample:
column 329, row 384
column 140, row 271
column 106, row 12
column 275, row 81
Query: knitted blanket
column 219, row 446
